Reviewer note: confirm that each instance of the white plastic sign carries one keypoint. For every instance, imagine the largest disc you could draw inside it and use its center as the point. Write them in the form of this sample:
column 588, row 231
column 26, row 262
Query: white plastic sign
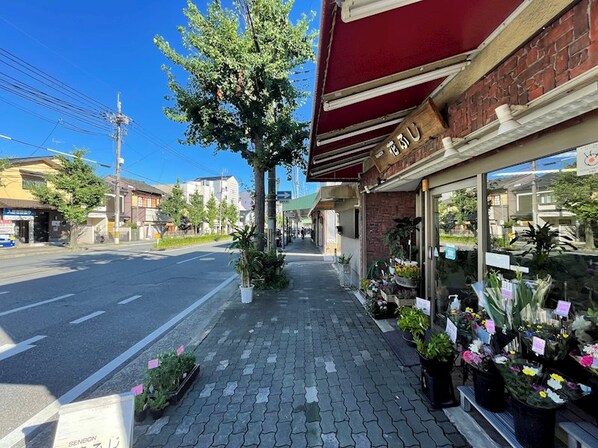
column 562, row 308
column 538, row 345
column 423, row 304
column 451, row 330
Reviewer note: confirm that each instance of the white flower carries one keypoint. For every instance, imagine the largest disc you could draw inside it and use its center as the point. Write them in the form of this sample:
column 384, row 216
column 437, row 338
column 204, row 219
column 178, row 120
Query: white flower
column 554, row 396
column 500, row 359
column 591, row 350
column 533, row 369
column 556, row 385
column 476, row 346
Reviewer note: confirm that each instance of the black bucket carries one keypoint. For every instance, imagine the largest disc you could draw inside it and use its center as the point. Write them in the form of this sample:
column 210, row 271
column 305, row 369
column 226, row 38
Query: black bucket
column 534, row 427
column 489, row 389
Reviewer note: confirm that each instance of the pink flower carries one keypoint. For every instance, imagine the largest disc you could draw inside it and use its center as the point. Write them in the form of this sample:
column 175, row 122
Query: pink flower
column 586, row 361
column 467, row 356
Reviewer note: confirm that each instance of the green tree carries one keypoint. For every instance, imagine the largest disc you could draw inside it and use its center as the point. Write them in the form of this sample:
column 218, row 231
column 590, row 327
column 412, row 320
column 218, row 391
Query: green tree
column 211, row 212
column 579, row 195
column 174, row 205
column 239, row 94
column 231, row 214
column 196, row 210
column 74, row 190
column 4, row 164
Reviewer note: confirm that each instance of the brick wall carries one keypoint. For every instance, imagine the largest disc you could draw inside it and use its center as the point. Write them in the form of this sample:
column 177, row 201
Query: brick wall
column 562, row 51
column 380, row 210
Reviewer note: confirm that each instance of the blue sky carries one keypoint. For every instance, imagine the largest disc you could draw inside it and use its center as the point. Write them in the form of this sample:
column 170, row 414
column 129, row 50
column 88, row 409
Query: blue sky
column 99, row 49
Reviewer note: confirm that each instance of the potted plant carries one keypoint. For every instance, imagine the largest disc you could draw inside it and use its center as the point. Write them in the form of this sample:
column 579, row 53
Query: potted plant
column 413, row 322
column 157, row 403
column 140, row 407
column 399, row 238
column 437, row 356
column 488, row 385
column 407, row 274
column 536, row 394
column 245, row 265
column 173, row 376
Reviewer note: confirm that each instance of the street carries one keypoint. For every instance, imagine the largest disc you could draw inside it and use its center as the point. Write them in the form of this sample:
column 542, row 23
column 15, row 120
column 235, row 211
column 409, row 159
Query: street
column 67, row 321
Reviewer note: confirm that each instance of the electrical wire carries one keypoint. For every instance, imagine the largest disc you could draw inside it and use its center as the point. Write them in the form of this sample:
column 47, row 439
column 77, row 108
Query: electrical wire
column 45, row 140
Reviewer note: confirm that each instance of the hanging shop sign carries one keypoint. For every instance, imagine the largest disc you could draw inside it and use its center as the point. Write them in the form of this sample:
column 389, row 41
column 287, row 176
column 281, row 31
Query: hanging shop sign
column 416, row 129
column 16, row 212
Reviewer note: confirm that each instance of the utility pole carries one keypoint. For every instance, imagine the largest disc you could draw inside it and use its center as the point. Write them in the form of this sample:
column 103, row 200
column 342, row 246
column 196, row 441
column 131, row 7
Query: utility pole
column 119, row 120
column 272, row 208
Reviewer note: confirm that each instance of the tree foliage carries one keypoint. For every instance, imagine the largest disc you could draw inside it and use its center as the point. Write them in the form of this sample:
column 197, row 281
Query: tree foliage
column 212, row 212
column 239, row 94
column 196, row 210
column 174, row 205
column 231, row 214
column 579, row 195
column 4, row 164
column 74, row 190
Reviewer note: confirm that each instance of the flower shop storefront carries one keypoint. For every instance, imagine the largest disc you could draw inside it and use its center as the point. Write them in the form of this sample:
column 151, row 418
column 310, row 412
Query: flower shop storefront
column 496, row 150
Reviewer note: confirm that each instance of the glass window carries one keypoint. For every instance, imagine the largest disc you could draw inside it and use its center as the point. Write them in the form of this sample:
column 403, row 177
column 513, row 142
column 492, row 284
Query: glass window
column 139, row 202
column 547, row 222
column 455, row 250
column 32, row 181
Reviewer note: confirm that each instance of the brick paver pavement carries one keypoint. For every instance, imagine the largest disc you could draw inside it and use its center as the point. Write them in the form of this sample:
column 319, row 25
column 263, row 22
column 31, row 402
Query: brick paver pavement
column 299, row 368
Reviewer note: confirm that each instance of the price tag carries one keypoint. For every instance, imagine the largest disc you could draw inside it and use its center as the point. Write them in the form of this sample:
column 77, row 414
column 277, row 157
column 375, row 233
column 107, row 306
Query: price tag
column 423, row 304
column 180, row 350
column 490, row 328
column 538, row 345
column 137, row 390
column 562, row 308
column 451, row 330
column 450, row 253
column 153, row 363
column 595, row 363
column 507, row 289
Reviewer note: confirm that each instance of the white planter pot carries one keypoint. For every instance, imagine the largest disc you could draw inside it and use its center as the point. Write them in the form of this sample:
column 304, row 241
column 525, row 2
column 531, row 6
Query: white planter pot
column 246, row 294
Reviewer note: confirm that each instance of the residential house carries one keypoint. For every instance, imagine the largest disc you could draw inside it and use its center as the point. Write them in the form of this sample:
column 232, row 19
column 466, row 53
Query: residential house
column 33, row 222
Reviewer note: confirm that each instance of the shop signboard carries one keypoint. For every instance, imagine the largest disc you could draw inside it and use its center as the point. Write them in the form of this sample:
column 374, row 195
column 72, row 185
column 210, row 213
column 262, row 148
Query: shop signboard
column 417, row 128
column 16, row 212
column 105, row 422
column 587, row 159
column 7, row 233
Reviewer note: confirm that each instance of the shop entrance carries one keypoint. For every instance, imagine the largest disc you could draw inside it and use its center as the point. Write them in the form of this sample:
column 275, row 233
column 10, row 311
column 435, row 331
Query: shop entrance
column 22, row 231
column 454, row 223
column 40, row 227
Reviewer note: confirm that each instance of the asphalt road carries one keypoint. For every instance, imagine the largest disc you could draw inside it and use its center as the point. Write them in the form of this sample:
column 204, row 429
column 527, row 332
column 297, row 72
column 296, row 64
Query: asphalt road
column 67, row 318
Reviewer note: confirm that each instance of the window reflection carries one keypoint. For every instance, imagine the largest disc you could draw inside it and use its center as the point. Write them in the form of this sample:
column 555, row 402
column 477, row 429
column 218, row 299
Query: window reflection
column 543, row 214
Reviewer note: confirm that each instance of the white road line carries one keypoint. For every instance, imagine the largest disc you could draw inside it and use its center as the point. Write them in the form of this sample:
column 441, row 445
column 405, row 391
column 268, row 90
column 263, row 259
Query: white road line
column 207, row 259
column 89, row 316
column 130, row 299
column 14, row 310
column 195, row 258
column 4, row 292
column 19, row 434
column 8, row 350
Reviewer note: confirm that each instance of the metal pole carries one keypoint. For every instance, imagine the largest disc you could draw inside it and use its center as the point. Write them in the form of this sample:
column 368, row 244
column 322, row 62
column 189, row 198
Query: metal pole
column 117, row 183
column 272, row 208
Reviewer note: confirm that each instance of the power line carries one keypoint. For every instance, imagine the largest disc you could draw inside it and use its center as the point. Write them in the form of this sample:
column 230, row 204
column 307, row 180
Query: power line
column 45, row 140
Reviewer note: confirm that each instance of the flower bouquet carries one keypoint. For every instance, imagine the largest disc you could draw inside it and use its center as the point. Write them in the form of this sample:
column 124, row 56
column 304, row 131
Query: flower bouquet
column 587, row 357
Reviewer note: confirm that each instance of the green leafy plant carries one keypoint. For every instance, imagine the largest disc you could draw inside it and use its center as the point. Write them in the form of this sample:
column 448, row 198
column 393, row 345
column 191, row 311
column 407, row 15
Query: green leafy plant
column 397, row 238
column 171, row 370
column 541, row 242
column 270, row 274
column 140, row 402
column 344, row 259
column 413, row 320
column 437, row 348
column 158, row 401
column 246, row 264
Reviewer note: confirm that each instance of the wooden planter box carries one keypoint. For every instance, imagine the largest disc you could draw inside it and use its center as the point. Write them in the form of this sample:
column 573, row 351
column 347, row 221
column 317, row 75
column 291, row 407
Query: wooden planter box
column 176, row 396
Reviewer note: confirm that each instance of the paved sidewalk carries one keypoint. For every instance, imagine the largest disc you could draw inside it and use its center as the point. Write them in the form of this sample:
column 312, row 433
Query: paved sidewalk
column 302, row 367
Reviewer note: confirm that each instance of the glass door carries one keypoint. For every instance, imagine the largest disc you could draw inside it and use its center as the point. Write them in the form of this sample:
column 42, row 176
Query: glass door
column 454, row 250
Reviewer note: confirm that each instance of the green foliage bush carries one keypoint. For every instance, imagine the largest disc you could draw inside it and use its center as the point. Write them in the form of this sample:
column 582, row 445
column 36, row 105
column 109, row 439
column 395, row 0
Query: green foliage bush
column 271, row 274
column 181, row 241
column 169, row 374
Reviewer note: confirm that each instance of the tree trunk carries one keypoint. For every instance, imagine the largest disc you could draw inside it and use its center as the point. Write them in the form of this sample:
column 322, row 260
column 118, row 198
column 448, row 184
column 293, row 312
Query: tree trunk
column 589, row 236
column 272, row 208
column 258, row 180
column 73, row 234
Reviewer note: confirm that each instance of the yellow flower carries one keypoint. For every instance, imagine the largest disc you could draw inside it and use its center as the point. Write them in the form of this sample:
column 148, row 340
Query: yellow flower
column 557, row 377
column 543, row 394
column 469, row 310
column 529, row 372
column 512, row 352
column 565, row 335
column 539, row 327
column 484, row 322
column 529, row 326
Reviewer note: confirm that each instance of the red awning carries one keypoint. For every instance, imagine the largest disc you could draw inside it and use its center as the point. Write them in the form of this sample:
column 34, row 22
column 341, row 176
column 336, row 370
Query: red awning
column 372, row 70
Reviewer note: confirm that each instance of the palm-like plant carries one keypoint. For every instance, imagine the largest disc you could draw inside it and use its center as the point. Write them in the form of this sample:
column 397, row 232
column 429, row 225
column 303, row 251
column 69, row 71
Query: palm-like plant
column 541, row 241
column 244, row 239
